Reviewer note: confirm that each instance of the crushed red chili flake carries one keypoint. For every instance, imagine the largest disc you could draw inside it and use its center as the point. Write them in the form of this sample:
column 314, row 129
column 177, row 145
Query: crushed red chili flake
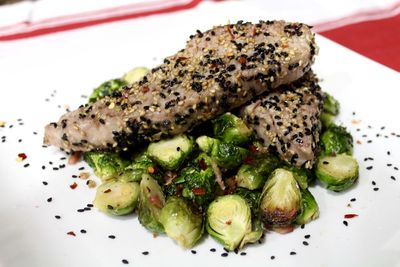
column 107, row 191
column 350, row 216
column 179, row 189
column 199, row 191
column 253, row 148
column 71, row 233
column 73, row 186
column 146, row 89
column 248, row 160
column 74, row 158
column 22, row 156
column 228, row 222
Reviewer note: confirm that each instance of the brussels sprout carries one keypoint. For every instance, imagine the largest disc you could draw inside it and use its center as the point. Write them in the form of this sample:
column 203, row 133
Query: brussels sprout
column 106, row 89
column 230, row 129
column 140, row 165
column 151, row 202
column 106, row 165
column 308, row 208
column 336, row 140
column 171, row 153
column 252, row 198
column 181, row 223
column 226, row 155
column 280, row 198
column 229, row 222
column 331, row 105
column 326, row 119
column 253, row 175
column 135, row 74
column 337, row 172
column 117, row 198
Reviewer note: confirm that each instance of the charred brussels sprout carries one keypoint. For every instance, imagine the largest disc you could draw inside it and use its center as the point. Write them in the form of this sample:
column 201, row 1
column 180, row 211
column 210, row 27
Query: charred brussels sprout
column 229, row 222
column 336, row 140
column 254, row 174
column 331, row 105
column 226, row 155
column 230, row 129
column 140, row 165
column 106, row 89
column 337, row 172
column 106, row 165
column 117, row 198
column 171, row 153
column 135, row 74
column 308, row 208
column 280, row 198
column 181, row 223
column 151, row 202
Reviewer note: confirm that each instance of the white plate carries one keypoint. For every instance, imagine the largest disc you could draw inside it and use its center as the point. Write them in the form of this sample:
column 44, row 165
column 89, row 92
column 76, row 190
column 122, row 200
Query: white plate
column 64, row 66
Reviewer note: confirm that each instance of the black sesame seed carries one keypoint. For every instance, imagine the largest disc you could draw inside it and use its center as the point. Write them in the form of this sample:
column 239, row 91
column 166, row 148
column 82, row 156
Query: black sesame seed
column 81, row 168
column 193, row 251
column 124, row 261
column 369, row 167
column 224, row 254
column 302, row 226
column 74, row 176
column 293, row 253
column 376, row 188
column 373, row 183
column 325, row 162
column 55, row 168
column 26, row 165
column 305, row 243
column 396, row 168
column 272, row 257
column 83, row 231
column 145, row 253
column 345, row 223
column 353, row 199
column 111, row 236
column 389, row 164
column 90, row 205
column 307, row 236
column 49, row 199
column 243, row 253
column 213, row 249
column 57, row 217
column 393, row 178
column 388, row 153
column 45, row 183
column 87, row 208
column 80, row 210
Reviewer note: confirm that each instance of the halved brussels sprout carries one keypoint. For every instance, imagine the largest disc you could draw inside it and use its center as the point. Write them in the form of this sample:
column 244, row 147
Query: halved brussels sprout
column 338, row 172
column 280, row 198
column 331, row 105
column 135, row 74
column 117, row 198
column 151, row 202
column 231, row 129
column 181, row 223
column 336, row 140
column 171, row 153
column 106, row 89
column 229, row 222
column 106, row 165
column 226, row 155
column 308, row 208
column 254, row 174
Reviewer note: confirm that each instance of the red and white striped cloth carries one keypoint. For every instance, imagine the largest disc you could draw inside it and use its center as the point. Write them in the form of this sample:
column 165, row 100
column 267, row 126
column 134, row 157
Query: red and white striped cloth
column 373, row 32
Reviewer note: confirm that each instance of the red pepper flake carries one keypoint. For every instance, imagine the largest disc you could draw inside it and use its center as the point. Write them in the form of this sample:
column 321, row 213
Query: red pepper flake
column 71, row 233
column 253, row 148
column 74, row 158
column 350, row 216
column 179, row 189
column 242, row 60
column 151, row 170
column 73, row 186
column 354, row 121
column 248, row 160
column 199, row 191
column 107, row 191
column 254, row 30
column 230, row 32
column 228, row 222
column 146, row 89
column 22, row 156
column 182, row 58
column 359, row 142
column 202, row 164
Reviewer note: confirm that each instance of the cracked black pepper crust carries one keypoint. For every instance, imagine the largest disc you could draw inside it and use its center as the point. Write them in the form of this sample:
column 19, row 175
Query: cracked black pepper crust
column 289, row 119
column 218, row 70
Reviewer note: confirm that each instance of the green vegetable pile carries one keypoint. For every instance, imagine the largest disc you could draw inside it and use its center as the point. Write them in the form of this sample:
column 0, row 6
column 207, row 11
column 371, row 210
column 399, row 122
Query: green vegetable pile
column 219, row 182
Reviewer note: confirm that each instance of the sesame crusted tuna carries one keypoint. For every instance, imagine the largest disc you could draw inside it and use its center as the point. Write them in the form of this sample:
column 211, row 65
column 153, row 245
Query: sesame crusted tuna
column 288, row 119
column 219, row 70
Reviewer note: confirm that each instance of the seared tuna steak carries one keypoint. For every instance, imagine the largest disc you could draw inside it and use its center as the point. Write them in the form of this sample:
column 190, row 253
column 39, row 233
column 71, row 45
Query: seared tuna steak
column 219, row 70
column 288, row 119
